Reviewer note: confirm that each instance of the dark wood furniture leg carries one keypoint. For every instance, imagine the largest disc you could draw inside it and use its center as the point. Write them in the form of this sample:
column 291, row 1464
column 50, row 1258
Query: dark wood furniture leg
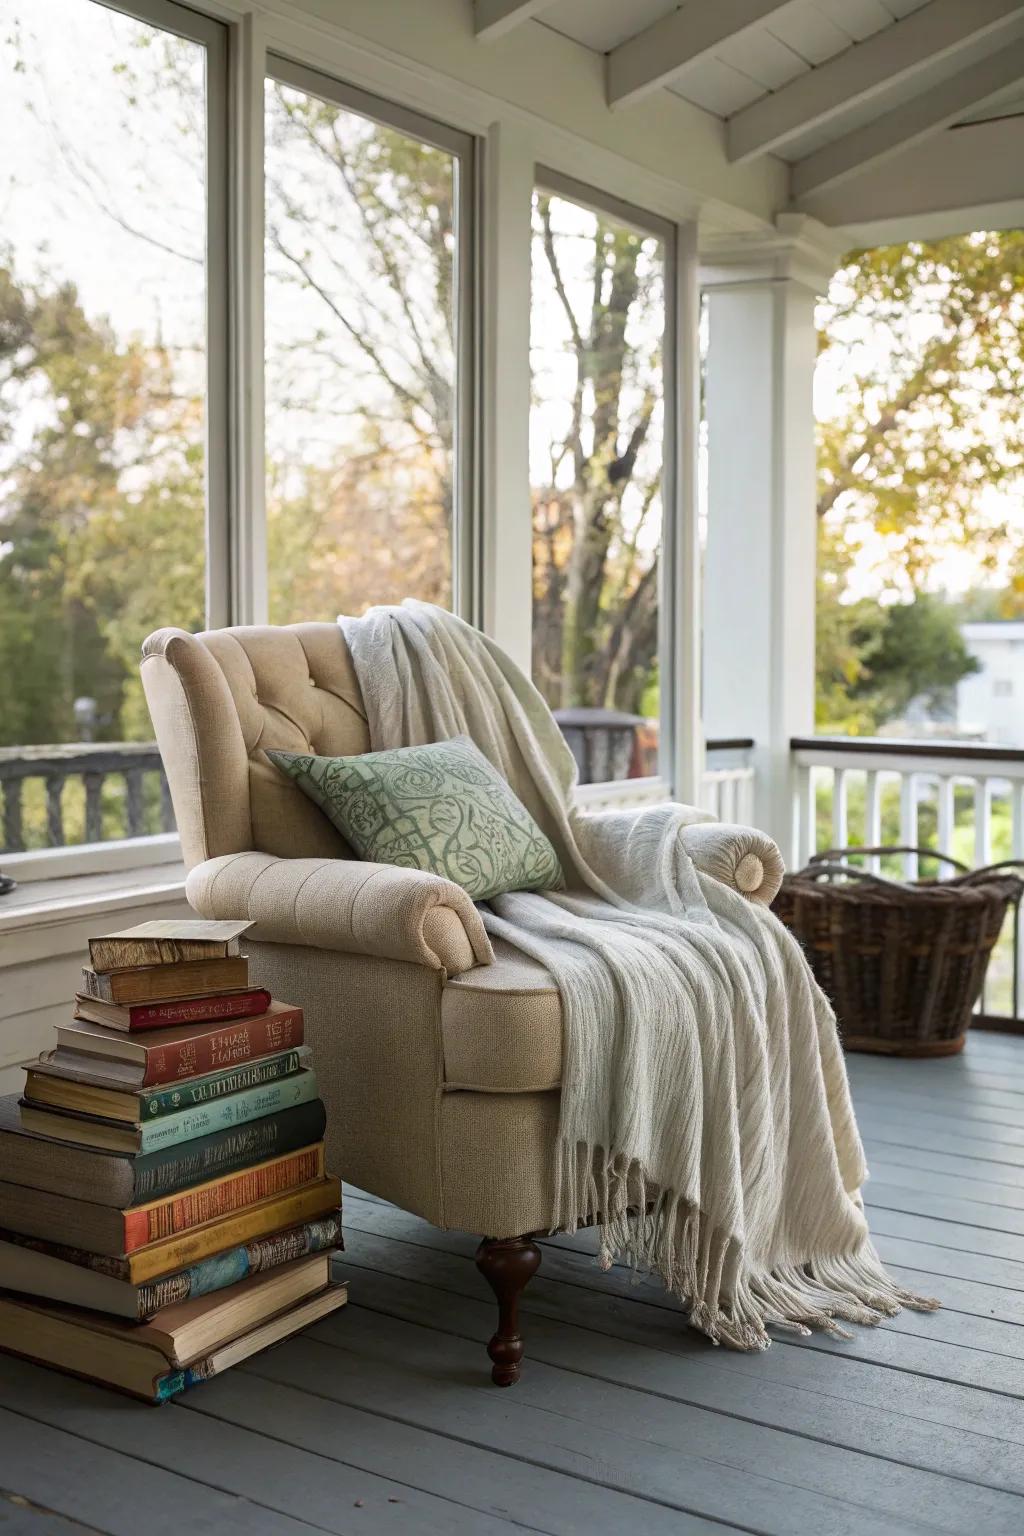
column 507, row 1264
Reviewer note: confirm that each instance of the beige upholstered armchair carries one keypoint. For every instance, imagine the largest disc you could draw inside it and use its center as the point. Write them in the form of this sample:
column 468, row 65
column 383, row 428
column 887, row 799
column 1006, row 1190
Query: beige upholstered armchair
column 440, row 1071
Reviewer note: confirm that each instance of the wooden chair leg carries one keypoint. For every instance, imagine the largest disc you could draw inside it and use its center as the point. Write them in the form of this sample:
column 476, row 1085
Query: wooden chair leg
column 507, row 1264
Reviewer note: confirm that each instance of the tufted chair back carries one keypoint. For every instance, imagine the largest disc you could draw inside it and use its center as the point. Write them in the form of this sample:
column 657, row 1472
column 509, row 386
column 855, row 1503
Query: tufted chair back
column 218, row 700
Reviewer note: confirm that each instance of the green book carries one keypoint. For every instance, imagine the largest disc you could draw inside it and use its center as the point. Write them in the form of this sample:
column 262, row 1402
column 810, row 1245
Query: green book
column 146, row 1140
column 236, row 1109
column 171, row 1098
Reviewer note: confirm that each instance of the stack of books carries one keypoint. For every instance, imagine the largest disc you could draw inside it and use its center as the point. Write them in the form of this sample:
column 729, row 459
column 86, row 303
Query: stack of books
column 164, row 1207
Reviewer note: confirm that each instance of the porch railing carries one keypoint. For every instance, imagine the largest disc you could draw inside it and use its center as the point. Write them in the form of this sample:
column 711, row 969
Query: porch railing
column 961, row 798
column 728, row 783
column 118, row 787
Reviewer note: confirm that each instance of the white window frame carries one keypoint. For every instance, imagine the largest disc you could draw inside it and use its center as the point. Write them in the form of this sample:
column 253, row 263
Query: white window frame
column 216, row 37
column 510, row 142
column 659, row 786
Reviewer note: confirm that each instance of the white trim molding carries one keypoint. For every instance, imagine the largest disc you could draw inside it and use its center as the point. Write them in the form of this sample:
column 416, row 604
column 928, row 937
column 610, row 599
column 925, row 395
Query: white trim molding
column 128, row 853
column 493, row 18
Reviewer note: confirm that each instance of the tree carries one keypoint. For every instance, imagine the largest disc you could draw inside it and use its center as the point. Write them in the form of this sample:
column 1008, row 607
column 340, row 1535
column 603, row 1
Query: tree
column 77, row 550
column 921, row 344
column 361, row 249
column 597, row 508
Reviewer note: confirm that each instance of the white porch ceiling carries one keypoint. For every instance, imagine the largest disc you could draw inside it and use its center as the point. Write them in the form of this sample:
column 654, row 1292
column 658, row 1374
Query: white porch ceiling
column 841, row 90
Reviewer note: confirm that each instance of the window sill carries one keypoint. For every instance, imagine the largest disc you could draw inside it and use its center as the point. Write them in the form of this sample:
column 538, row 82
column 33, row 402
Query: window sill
column 129, row 854
column 57, row 916
column 620, row 794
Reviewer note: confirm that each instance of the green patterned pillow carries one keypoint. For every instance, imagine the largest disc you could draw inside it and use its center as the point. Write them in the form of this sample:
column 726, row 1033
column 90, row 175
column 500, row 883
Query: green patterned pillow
column 441, row 807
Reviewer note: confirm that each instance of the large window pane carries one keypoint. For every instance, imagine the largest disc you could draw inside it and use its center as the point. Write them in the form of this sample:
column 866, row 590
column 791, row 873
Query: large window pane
column 596, row 450
column 361, row 323
column 102, row 401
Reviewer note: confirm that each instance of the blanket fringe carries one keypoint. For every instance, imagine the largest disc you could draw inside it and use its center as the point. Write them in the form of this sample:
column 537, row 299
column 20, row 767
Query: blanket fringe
column 661, row 1233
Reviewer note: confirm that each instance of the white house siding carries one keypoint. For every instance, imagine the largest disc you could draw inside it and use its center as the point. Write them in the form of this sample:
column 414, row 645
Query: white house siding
column 991, row 701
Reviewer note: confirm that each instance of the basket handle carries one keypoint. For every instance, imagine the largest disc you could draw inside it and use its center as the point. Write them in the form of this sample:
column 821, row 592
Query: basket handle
column 831, row 854
column 849, row 872
column 990, row 869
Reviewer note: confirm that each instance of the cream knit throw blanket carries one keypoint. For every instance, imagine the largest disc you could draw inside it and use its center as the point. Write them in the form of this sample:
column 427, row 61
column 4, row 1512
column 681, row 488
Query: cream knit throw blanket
column 705, row 1115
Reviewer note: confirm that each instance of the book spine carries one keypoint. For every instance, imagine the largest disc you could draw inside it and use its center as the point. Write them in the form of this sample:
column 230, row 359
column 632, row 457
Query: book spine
column 179, row 1213
column 213, row 1157
column 216, row 1050
column 154, row 1103
column 288, row 1210
column 168, row 983
column 225, row 1269
column 198, row 1010
column 235, row 1109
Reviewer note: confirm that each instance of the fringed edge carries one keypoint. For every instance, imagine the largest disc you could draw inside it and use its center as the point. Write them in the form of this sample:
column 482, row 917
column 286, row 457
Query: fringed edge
column 704, row 1268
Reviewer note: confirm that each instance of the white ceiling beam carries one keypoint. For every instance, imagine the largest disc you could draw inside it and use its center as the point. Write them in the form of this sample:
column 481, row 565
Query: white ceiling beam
column 908, row 123
column 493, row 18
column 664, row 50
column 962, row 179
column 885, row 59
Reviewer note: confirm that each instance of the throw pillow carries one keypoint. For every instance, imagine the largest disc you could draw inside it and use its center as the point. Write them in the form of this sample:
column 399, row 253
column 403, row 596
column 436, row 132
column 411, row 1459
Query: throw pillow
column 441, row 808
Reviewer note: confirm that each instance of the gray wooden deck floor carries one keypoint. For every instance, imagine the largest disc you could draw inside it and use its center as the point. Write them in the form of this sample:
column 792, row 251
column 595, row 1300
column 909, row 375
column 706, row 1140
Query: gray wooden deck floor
column 381, row 1420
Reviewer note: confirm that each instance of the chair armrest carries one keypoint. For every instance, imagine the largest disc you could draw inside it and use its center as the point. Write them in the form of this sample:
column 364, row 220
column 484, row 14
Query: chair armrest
column 346, row 904
column 742, row 858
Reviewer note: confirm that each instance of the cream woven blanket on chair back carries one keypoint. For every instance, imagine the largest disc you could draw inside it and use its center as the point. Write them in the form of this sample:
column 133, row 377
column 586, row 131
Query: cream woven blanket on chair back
column 705, row 1114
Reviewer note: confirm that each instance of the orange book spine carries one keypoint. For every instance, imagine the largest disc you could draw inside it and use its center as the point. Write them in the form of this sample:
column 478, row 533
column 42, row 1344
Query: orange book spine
column 206, row 1202
column 256, row 1221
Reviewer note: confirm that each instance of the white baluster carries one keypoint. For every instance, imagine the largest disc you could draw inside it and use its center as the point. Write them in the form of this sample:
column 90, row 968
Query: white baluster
column 872, row 818
column 908, row 823
column 947, row 816
column 840, row 817
column 982, row 823
column 801, row 843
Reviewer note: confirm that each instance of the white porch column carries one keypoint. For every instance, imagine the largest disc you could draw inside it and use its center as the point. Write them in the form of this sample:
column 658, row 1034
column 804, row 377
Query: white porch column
column 759, row 575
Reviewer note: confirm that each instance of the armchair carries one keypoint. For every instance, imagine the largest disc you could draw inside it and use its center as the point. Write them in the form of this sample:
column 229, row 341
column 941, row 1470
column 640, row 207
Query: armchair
column 439, row 1054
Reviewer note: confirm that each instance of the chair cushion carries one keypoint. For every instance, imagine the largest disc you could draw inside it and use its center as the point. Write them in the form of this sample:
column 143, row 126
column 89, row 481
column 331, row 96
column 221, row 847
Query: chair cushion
column 501, row 1026
column 441, row 808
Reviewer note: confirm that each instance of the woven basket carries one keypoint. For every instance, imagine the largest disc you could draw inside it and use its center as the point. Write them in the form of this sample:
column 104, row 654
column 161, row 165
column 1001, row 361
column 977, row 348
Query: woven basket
column 902, row 963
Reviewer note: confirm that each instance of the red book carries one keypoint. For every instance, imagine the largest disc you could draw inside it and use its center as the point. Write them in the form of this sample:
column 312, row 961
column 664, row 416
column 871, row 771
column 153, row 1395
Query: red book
column 185, row 1010
column 165, row 1055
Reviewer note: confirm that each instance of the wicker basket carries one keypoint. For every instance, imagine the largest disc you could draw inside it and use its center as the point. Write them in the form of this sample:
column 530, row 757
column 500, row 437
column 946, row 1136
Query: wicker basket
column 903, row 963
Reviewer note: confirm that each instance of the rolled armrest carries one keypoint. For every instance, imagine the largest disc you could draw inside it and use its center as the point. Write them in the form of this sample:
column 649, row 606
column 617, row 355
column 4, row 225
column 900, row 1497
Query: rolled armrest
column 746, row 860
column 363, row 908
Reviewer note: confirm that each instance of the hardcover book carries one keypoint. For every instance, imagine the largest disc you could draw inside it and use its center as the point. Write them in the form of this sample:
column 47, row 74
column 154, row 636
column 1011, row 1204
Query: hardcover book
column 139, row 1139
column 119, row 1180
column 187, row 1010
column 68, row 1085
column 107, row 1230
column 132, row 1356
column 165, row 1055
column 36, row 1268
column 158, row 983
column 165, row 942
column 186, row 1249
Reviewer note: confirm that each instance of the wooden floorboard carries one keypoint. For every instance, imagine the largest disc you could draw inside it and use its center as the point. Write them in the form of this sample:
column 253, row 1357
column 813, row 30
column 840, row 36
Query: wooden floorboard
column 381, row 1419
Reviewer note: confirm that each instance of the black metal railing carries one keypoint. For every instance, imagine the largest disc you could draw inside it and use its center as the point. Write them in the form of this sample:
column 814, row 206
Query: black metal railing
column 125, row 793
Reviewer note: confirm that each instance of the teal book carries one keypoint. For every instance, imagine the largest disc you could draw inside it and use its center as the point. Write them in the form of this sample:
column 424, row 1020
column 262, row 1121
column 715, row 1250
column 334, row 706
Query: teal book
column 174, row 1097
column 221, row 1114
column 53, row 1272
